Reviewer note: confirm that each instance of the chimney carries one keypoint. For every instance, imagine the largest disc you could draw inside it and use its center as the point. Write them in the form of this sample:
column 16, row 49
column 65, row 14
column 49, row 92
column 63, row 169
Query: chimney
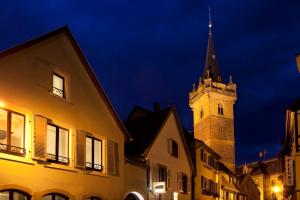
column 156, row 107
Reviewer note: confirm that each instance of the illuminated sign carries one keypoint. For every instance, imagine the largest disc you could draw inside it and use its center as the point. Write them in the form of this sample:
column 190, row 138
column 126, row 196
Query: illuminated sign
column 289, row 171
column 159, row 187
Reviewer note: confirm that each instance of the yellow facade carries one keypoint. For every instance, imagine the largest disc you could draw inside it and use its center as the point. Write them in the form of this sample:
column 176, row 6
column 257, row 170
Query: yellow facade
column 159, row 154
column 204, row 170
column 26, row 88
column 212, row 127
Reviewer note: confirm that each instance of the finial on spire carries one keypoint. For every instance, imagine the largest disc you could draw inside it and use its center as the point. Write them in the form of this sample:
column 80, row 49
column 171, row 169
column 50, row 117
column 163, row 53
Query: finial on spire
column 209, row 20
column 194, row 87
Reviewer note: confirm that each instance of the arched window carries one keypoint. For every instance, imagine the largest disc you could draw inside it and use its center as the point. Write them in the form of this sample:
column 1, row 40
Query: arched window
column 93, row 198
column 14, row 195
column 220, row 109
column 55, row 196
column 201, row 113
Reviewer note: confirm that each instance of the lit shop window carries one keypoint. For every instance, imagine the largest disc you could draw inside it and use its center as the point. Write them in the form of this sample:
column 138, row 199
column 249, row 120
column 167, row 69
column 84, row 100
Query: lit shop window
column 12, row 132
column 59, row 85
column 93, row 153
column 57, row 144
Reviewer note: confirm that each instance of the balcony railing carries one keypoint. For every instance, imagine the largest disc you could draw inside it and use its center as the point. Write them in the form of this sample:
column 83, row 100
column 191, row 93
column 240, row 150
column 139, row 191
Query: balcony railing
column 59, row 92
column 5, row 148
column 58, row 159
column 94, row 166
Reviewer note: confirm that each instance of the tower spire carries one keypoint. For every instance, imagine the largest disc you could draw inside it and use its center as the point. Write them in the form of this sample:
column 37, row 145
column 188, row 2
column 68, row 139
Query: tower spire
column 209, row 21
column 211, row 64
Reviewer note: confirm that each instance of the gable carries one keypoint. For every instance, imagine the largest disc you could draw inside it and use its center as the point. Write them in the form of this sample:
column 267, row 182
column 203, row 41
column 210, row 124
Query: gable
column 159, row 148
column 29, row 68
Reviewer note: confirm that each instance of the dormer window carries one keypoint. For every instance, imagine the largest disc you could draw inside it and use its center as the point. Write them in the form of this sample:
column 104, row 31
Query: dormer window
column 59, row 85
column 220, row 109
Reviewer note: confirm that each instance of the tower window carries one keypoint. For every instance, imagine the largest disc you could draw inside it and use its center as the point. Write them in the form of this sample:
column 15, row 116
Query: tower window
column 220, row 109
column 201, row 113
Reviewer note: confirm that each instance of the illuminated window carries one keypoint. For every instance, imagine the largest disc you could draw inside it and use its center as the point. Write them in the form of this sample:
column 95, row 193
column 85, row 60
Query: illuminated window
column 12, row 132
column 93, row 153
column 220, row 109
column 57, row 144
column 13, row 195
column 173, row 148
column 55, row 196
column 58, row 85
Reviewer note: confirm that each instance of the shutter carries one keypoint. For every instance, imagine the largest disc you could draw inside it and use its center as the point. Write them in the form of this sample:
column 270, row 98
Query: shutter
column 189, row 184
column 113, row 158
column 170, row 146
column 169, row 179
column 179, row 181
column 40, row 137
column 116, row 157
column 80, row 149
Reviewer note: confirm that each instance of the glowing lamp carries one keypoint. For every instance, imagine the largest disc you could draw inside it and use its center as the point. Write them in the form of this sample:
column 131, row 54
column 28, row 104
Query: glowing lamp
column 276, row 189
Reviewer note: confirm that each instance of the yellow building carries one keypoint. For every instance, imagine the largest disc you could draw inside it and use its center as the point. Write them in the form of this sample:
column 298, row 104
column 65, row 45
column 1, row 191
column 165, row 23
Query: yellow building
column 291, row 152
column 267, row 175
column 60, row 137
column 157, row 141
column 212, row 105
column 206, row 180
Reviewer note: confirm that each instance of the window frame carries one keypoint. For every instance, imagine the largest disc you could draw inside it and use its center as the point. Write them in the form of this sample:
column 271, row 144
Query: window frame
column 93, row 153
column 56, row 194
column 165, row 175
column 64, row 85
column 173, row 152
column 220, row 109
column 8, row 146
column 11, row 195
column 56, row 160
column 184, row 182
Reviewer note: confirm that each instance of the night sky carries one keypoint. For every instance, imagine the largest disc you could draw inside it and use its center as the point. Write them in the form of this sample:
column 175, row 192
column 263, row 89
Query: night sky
column 147, row 51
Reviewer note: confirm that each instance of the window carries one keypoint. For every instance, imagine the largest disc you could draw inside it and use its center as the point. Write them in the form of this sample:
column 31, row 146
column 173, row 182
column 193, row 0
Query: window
column 220, row 109
column 12, row 132
column 93, row 198
column 13, row 195
column 55, row 196
column 57, row 144
column 93, row 153
column 184, row 183
column 59, row 85
column 173, row 148
column 201, row 113
column 162, row 173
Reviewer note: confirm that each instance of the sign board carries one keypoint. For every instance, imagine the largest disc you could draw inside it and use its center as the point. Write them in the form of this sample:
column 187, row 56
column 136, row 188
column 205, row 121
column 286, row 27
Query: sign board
column 159, row 187
column 289, row 171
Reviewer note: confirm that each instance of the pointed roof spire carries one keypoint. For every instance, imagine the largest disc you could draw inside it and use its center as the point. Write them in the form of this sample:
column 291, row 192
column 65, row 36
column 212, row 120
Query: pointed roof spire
column 211, row 64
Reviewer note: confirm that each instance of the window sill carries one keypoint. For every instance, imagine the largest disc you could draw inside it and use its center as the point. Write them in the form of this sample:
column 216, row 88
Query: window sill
column 95, row 173
column 60, row 98
column 59, row 167
column 15, row 158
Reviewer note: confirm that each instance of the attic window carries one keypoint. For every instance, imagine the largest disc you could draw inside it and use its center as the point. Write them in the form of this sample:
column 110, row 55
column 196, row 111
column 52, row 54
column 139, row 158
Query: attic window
column 59, row 85
column 173, row 148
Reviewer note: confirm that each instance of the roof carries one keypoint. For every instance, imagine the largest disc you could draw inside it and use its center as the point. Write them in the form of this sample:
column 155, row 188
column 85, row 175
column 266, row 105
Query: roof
column 65, row 30
column 200, row 143
column 223, row 168
column 211, row 64
column 268, row 167
column 229, row 186
column 144, row 126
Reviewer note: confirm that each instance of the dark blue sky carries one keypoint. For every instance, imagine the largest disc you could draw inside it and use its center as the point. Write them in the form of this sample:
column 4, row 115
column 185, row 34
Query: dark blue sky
column 147, row 51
